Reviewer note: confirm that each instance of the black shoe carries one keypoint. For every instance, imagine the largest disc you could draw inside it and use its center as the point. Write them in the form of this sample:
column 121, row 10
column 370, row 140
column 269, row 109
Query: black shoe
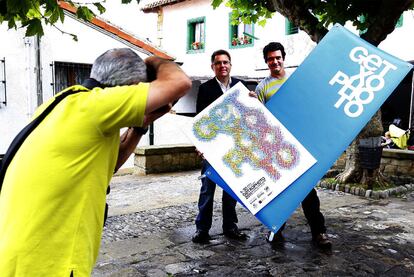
column 201, row 237
column 322, row 241
column 235, row 234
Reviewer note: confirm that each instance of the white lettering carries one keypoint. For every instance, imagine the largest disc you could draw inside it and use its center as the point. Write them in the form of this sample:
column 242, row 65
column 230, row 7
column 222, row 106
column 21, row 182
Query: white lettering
column 359, row 90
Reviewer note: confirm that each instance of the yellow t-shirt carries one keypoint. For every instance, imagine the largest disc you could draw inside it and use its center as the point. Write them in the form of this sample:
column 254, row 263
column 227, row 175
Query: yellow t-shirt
column 268, row 87
column 53, row 196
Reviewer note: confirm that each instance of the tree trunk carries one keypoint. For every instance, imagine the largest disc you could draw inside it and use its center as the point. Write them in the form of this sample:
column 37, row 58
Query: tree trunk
column 373, row 178
column 353, row 172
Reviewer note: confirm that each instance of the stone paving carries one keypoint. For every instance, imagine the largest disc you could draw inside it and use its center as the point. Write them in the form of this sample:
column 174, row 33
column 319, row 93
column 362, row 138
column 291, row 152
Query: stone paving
column 151, row 223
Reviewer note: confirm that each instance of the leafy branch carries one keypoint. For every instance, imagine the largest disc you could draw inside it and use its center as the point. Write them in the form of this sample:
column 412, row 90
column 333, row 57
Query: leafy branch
column 376, row 18
column 33, row 15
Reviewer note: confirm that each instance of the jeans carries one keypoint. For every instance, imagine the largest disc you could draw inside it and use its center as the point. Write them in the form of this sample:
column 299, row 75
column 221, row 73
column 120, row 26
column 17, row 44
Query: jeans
column 205, row 205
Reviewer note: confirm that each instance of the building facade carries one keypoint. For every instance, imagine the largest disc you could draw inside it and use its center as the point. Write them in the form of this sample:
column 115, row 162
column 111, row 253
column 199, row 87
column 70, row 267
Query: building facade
column 192, row 30
column 34, row 69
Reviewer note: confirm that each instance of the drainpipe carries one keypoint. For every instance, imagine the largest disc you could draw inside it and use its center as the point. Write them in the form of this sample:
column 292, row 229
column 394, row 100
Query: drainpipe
column 160, row 19
column 151, row 134
column 38, row 71
column 28, row 41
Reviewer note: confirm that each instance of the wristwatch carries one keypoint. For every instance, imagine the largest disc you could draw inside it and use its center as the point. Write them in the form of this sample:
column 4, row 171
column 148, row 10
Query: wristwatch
column 140, row 130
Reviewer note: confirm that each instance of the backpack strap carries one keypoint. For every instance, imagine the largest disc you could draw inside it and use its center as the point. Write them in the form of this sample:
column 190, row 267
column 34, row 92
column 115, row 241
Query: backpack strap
column 26, row 131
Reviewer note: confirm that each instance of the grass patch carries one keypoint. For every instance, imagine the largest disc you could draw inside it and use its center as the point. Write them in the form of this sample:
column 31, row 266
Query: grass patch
column 376, row 186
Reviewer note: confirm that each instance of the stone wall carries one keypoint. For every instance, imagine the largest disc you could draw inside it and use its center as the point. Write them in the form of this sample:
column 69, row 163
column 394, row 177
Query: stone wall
column 165, row 158
column 396, row 164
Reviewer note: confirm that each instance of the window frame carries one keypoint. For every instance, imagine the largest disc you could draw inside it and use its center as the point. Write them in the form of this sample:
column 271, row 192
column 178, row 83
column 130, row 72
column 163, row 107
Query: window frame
column 290, row 27
column 190, row 35
column 231, row 35
column 399, row 23
column 73, row 73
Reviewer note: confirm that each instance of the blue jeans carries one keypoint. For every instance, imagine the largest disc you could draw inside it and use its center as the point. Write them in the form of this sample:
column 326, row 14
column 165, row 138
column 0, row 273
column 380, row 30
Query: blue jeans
column 205, row 205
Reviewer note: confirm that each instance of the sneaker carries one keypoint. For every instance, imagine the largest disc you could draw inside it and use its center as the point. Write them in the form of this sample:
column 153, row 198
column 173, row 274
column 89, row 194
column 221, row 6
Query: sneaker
column 201, row 237
column 322, row 241
column 235, row 234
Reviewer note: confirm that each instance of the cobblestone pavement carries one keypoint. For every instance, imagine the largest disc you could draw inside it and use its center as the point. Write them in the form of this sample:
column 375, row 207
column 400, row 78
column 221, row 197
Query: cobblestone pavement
column 151, row 223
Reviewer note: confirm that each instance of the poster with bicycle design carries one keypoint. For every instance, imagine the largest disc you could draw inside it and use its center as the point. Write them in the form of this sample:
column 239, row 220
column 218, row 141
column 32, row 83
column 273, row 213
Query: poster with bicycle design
column 251, row 150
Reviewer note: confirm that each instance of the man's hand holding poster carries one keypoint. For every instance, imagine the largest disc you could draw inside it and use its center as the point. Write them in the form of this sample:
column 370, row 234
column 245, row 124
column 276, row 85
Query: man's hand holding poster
column 257, row 156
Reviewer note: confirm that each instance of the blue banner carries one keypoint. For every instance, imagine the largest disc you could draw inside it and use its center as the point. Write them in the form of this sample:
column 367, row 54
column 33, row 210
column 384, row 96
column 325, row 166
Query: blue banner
column 325, row 103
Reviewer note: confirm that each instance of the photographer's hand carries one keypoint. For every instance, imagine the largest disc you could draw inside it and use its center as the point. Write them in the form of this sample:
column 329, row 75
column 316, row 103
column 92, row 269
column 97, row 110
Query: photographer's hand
column 168, row 83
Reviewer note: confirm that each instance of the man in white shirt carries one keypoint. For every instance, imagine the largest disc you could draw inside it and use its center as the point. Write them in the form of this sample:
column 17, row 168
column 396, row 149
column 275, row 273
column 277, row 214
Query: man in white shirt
column 207, row 94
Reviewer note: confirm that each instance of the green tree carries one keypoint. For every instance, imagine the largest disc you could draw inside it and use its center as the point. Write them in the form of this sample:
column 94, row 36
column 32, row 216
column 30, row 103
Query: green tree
column 375, row 19
column 32, row 15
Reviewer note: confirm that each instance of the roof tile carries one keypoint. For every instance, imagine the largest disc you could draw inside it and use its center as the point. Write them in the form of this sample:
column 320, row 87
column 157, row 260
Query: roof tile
column 152, row 4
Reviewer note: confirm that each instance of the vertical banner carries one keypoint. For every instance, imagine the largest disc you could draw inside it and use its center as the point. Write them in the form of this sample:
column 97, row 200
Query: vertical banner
column 324, row 104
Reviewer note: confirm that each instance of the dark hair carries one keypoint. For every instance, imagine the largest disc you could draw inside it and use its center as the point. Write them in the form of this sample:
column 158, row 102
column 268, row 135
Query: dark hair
column 119, row 66
column 271, row 47
column 220, row 52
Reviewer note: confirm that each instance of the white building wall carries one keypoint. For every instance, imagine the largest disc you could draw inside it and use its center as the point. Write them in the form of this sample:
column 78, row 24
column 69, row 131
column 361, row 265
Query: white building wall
column 20, row 65
column 131, row 19
column 19, row 53
column 246, row 61
column 400, row 43
column 18, row 71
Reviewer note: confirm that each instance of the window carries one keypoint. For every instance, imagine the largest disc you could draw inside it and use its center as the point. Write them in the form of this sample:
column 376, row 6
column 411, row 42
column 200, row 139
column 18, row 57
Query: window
column 241, row 35
column 196, row 35
column 290, row 28
column 69, row 74
column 363, row 18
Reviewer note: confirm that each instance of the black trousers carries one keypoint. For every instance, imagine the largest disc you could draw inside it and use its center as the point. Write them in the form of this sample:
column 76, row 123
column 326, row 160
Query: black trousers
column 311, row 209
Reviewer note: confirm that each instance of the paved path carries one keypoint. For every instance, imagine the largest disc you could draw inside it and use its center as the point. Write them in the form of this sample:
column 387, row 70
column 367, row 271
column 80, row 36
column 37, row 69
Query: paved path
column 151, row 223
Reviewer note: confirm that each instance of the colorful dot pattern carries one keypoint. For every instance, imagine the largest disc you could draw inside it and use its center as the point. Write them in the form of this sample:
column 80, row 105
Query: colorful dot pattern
column 257, row 141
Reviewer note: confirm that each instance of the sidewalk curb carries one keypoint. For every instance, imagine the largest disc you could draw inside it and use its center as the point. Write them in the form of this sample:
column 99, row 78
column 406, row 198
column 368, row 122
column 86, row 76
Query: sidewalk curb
column 377, row 194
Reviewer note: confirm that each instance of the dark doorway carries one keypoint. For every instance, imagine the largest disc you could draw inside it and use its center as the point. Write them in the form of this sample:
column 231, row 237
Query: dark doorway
column 397, row 108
